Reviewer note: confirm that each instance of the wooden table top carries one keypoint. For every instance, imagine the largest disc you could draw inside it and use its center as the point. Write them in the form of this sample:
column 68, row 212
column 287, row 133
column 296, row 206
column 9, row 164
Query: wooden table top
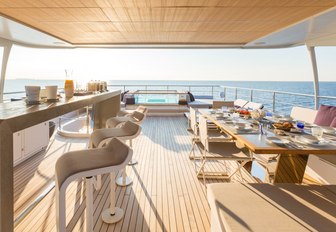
column 258, row 143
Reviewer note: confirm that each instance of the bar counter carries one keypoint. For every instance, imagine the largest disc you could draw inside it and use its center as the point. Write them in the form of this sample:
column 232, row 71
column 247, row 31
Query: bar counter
column 16, row 116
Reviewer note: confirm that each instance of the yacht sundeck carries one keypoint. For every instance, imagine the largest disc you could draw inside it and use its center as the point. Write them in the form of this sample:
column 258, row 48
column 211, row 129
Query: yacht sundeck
column 180, row 181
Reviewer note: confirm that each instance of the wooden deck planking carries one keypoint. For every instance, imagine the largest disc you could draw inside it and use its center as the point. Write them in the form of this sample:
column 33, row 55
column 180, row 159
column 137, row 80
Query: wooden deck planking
column 165, row 195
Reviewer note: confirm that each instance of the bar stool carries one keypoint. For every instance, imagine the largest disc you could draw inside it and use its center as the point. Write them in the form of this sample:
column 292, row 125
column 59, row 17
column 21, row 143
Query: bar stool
column 140, row 108
column 136, row 117
column 86, row 164
column 99, row 138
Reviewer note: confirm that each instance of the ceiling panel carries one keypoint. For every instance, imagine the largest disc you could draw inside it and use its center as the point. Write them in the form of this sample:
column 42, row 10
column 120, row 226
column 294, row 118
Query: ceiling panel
column 161, row 21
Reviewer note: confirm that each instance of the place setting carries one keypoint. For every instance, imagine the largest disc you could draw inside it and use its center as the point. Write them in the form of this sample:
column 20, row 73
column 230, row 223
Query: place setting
column 301, row 139
column 35, row 95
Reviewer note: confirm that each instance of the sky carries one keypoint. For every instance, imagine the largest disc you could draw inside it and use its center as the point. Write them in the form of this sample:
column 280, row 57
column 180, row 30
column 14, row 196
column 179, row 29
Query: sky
column 290, row 64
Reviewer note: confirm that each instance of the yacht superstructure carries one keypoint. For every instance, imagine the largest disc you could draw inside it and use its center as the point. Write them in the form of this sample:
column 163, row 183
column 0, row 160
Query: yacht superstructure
column 165, row 181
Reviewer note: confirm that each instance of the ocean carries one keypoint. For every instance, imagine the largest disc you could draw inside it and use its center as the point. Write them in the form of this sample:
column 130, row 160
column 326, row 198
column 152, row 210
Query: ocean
column 284, row 102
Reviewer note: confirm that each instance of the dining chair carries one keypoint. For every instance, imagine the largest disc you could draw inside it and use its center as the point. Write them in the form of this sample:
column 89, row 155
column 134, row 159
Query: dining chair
column 240, row 103
column 219, row 104
column 215, row 135
column 224, row 150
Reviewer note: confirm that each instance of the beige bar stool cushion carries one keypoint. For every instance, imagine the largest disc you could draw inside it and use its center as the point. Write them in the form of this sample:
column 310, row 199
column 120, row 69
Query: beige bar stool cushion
column 71, row 163
column 128, row 131
column 135, row 117
column 87, row 164
column 141, row 109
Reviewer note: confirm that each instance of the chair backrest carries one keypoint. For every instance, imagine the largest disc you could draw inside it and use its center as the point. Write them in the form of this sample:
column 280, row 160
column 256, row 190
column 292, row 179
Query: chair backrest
column 203, row 131
column 219, row 104
column 303, row 114
column 193, row 120
column 141, row 109
column 240, row 103
column 128, row 130
column 138, row 116
column 253, row 106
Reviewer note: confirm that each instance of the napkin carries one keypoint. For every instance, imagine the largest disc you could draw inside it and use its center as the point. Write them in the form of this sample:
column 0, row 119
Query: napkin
column 309, row 139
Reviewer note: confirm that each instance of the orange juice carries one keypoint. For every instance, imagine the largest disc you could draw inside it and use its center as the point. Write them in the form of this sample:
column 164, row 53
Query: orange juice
column 69, row 88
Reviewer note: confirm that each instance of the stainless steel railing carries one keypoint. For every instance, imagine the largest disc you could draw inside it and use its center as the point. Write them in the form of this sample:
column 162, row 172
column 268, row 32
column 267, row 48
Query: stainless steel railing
column 277, row 101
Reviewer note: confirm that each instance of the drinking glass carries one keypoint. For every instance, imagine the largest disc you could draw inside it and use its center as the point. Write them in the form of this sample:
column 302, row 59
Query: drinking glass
column 300, row 125
column 224, row 109
column 318, row 132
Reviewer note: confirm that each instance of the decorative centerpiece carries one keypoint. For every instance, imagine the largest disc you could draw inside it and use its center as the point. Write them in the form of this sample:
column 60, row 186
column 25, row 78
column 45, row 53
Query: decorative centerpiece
column 258, row 114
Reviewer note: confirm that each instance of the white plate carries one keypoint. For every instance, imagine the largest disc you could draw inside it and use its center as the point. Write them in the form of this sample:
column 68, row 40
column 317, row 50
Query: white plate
column 309, row 125
column 328, row 130
column 247, row 127
column 301, row 140
column 277, row 140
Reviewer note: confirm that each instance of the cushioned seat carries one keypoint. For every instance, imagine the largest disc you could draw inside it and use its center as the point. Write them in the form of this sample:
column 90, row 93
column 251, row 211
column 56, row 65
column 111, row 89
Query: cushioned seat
column 239, row 103
column 75, row 162
column 303, row 114
column 325, row 115
column 264, row 207
column 219, row 104
column 141, row 109
column 135, row 117
column 128, row 131
column 253, row 106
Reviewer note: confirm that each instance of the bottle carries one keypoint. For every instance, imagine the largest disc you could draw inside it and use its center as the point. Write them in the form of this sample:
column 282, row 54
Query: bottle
column 69, row 88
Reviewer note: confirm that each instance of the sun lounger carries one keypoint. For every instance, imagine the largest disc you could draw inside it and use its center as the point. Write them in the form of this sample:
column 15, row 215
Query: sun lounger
column 264, row 207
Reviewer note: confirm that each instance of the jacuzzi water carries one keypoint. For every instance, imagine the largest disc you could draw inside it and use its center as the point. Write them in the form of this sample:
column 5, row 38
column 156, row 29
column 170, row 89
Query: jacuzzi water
column 156, row 99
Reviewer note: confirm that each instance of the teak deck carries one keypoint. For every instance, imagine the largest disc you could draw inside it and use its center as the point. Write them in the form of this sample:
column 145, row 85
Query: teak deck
column 165, row 195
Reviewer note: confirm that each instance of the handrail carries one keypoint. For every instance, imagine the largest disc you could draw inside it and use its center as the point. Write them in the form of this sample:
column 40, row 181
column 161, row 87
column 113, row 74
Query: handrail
column 276, row 99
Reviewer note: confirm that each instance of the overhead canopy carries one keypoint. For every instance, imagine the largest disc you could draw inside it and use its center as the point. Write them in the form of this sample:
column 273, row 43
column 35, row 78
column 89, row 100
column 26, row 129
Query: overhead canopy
column 236, row 23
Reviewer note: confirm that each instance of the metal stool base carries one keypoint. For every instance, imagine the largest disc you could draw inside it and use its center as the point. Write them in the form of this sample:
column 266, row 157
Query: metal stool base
column 109, row 218
column 121, row 182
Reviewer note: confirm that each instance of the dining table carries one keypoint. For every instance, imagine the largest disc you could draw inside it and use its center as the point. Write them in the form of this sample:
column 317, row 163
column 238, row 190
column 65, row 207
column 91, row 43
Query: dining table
column 292, row 151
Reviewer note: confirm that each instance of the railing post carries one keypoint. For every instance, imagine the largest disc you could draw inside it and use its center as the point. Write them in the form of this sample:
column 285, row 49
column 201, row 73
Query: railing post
column 212, row 91
column 224, row 97
column 124, row 88
column 273, row 106
column 236, row 93
column 251, row 97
